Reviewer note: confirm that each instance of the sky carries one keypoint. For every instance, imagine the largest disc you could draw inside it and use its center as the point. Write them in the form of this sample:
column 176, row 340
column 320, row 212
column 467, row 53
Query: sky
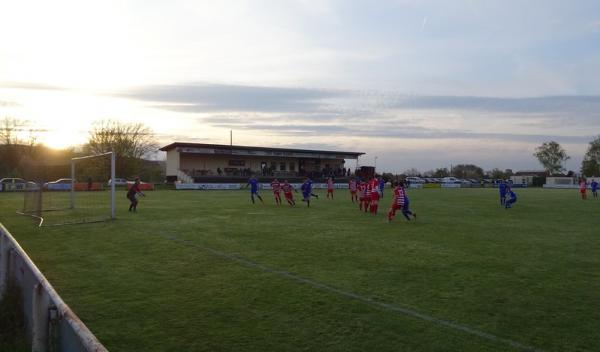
column 413, row 84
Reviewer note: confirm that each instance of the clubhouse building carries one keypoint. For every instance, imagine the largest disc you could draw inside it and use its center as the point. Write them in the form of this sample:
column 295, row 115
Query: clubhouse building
column 197, row 162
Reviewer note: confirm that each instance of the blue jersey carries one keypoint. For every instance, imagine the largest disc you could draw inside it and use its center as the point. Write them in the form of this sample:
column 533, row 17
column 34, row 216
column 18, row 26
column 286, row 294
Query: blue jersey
column 594, row 185
column 381, row 185
column 253, row 185
column 512, row 195
column 306, row 187
column 502, row 188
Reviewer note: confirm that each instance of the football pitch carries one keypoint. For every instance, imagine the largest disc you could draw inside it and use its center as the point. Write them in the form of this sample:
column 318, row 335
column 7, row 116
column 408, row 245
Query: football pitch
column 210, row 271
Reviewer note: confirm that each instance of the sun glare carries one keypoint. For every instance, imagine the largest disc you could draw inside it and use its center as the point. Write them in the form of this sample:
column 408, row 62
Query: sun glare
column 61, row 139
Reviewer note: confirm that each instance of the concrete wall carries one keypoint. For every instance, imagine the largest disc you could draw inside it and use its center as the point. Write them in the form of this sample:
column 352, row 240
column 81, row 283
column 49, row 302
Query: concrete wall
column 528, row 180
column 50, row 323
column 172, row 162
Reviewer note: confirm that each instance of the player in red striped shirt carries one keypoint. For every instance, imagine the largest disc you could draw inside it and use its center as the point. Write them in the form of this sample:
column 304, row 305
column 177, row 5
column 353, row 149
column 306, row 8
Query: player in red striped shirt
column 330, row 187
column 374, row 200
column 276, row 186
column 287, row 192
column 352, row 187
column 366, row 196
column 397, row 201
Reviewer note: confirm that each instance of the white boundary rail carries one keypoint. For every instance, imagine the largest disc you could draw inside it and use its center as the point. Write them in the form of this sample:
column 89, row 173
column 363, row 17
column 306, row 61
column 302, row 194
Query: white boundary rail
column 50, row 323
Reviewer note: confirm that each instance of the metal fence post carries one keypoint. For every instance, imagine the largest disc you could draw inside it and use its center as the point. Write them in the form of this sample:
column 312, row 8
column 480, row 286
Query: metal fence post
column 39, row 318
column 3, row 264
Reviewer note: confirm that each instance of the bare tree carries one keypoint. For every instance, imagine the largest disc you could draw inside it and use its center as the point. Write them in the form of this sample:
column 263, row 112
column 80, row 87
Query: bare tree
column 9, row 127
column 130, row 141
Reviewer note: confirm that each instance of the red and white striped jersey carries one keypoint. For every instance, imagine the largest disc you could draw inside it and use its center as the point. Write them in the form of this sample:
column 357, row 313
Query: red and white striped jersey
column 287, row 188
column 276, row 186
column 352, row 185
column 399, row 195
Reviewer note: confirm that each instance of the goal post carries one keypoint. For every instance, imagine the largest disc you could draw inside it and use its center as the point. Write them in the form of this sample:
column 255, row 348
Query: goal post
column 89, row 195
column 112, row 178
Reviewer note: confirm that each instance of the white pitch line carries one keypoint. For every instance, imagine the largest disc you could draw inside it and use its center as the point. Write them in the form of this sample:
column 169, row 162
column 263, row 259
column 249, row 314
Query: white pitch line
column 387, row 306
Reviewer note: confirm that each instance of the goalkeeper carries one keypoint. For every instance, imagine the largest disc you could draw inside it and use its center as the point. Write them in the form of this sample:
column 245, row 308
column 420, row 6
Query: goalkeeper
column 133, row 193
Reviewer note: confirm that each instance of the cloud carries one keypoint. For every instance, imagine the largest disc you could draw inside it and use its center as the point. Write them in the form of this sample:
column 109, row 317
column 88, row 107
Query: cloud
column 398, row 132
column 196, row 98
column 335, row 104
column 8, row 104
column 29, row 85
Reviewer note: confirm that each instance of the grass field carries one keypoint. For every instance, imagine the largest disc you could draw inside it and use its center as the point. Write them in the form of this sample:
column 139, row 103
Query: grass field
column 209, row 271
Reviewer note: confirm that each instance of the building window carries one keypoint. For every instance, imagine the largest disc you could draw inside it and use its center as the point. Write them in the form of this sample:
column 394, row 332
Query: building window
column 292, row 166
column 237, row 163
column 273, row 166
column 281, row 166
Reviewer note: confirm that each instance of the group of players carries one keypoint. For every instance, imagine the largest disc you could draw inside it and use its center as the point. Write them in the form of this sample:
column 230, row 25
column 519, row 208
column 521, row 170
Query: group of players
column 366, row 193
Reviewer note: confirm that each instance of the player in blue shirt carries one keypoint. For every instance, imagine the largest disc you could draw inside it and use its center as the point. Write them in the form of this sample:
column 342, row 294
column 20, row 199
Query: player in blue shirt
column 502, row 188
column 307, row 191
column 594, row 186
column 381, row 186
column 406, row 210
column 512, row 199
column 253, row 183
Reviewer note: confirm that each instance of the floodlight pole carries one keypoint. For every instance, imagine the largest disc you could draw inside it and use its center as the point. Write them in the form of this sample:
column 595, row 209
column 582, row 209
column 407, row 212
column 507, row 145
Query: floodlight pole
column 112, row 185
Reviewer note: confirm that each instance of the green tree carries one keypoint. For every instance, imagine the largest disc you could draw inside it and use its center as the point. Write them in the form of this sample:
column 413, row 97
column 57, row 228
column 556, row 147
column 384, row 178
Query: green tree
column 496, row 174
column 552, row 156
column 441, row 172
column 467, row 171
column 590, row 166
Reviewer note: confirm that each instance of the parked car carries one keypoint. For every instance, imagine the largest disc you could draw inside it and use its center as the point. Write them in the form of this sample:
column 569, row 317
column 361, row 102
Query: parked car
column 12, row 184
column 413, row 179
column 118, row 182
column 62, row 184
column 450, row 180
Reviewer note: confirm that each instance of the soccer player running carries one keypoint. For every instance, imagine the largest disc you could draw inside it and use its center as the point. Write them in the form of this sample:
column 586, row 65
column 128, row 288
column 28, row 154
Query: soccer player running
column 287, row 192
column 253, row 183
column 397, row 201
column 406, row 208
column 132, row 195
column 583, row 188
column 352, row 187
column 306, row 191
column 594, row 186
column 374, row 203
column 276, row 186
column 330, row 187
column 512, row 199
column 502, row 189
column 381, row 186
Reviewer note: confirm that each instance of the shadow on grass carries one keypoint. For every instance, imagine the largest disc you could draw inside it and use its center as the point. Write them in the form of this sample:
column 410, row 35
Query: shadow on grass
column 12, row 323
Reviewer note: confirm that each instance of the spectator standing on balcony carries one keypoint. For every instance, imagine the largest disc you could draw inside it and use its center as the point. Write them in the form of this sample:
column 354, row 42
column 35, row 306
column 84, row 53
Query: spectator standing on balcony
column 219, row 171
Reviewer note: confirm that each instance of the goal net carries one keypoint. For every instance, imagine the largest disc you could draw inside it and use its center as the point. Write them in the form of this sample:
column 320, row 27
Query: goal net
column 81, row 193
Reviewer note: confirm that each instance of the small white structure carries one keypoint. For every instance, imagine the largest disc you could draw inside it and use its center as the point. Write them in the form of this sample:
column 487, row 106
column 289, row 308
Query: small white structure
column 561, row 182
column 522, row 180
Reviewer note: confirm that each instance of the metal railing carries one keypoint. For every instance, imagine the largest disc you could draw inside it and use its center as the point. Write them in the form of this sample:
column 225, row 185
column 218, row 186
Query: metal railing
column 50, row 323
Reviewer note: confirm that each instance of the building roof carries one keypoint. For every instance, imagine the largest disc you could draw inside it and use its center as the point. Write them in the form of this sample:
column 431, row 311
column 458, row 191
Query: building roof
column 223, row 148
column 531, row 173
